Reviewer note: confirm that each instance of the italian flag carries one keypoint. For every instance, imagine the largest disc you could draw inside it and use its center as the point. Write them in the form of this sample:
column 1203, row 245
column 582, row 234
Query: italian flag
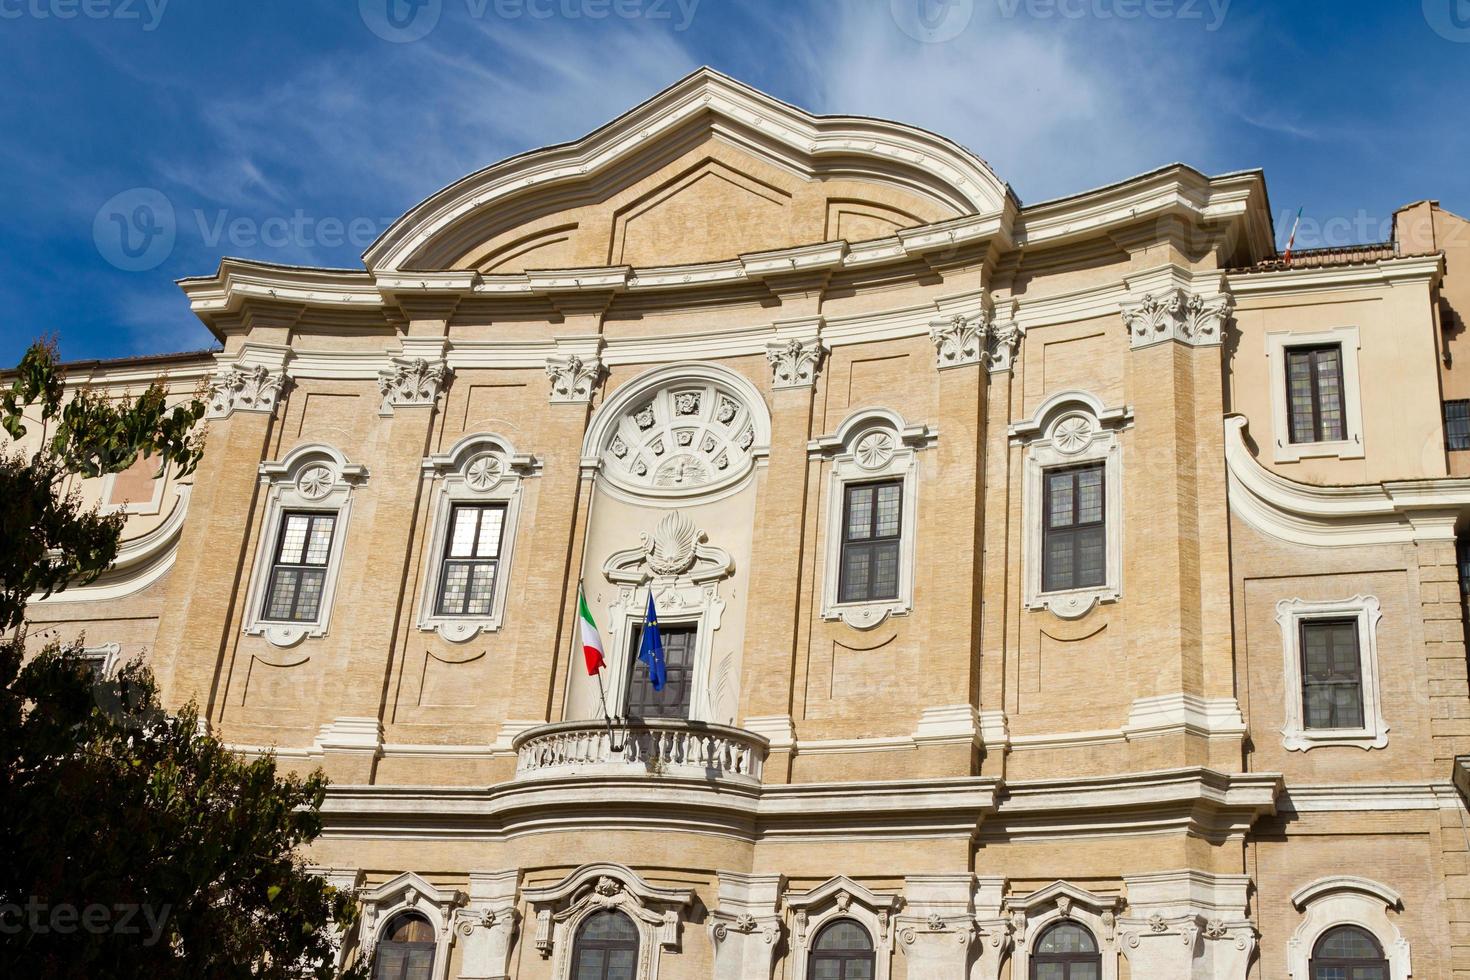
column 591, row 642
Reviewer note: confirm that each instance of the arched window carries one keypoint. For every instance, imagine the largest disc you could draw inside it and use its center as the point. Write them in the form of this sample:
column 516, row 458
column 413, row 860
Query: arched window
column 1066, row 951
column 406, row 951
column 843, row 951
column 1348, row 953
column 606, row 947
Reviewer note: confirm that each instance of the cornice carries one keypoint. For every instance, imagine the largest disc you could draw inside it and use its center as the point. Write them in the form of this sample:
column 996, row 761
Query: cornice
column 922, row 162
column 1426, row 270
column 1364, row 514
column 141, row 560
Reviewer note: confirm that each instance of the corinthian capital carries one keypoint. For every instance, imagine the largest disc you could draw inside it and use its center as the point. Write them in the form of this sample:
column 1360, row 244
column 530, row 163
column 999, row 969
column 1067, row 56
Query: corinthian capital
column 410, row 381
column 243, row 388
column 1177, row 314
column 795, row 363
column 573, row 378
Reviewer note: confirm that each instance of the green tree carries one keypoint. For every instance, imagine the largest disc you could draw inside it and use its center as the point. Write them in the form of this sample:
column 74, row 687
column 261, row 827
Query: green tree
column 130, row 845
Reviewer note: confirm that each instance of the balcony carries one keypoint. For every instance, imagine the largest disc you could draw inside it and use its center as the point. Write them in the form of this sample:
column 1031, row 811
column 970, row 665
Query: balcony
column 666, row 747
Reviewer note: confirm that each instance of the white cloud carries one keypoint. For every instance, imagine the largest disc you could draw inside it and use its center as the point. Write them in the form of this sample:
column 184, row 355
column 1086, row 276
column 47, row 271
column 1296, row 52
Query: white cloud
column 1056, row 108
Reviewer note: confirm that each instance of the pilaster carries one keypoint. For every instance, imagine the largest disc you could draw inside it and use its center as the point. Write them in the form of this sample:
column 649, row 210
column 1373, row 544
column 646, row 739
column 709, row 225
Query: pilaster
column 746, row 928
column 487, row 925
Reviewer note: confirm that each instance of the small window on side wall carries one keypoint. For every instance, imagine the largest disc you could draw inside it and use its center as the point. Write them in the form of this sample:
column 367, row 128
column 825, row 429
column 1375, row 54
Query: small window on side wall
column 1331, row 670
column 1314, row 393
column 1332, row 674
column 1457, row 424
column 1348, row 953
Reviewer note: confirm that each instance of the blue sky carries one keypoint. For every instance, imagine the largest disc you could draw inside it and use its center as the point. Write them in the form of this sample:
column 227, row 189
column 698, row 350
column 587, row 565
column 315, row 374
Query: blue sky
column 295, row 130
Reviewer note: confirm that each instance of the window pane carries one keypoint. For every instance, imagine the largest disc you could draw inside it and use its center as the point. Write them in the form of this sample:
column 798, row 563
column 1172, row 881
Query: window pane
column 589, row 964
column 856, row 564
column 1067, row 939
column 859, row 970
column 490, row 521
column 1084, row 971
column 1348, row 943
column 826, row 969
column 859, row 513
column 1051, row 971
column 1058, row 567
column 1059, row 499
column 885, row 571
column 1457, row 424
column 889, row 519
column 309, row 601
column 283, row 593
column 1299, row 394
column 462, row 542
column 844, row 935
column 482, row 589
column 321, row 540
column 1320, row 972
column 293, row 538
column 1091, row 557
column 456, row 584
column 1329, row 392
column 1090, row 495
column 621, row 963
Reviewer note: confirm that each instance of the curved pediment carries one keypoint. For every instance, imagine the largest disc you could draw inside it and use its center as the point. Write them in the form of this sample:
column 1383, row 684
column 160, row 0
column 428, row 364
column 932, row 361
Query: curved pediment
column 708, row 169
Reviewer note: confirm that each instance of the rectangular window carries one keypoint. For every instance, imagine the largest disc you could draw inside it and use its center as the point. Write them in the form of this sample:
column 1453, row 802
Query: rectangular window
column 1332, row 674
column 1314, row 393
column 300, row 567
column 1457, row 424
column 471, row 560
column 1074, row 535
column 673, row 700
column 872, row 525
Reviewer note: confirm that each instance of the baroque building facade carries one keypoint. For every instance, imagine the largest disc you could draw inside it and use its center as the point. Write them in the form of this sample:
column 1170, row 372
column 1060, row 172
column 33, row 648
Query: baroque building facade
column 1065, row 590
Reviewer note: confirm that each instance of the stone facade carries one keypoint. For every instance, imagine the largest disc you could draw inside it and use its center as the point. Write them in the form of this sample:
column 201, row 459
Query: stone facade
column 661, row 354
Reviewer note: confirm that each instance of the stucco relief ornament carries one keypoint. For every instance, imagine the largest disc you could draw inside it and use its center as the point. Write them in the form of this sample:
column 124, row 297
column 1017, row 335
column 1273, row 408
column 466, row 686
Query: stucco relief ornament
column 1177, row 314
column 410, row 382
column 1005, row 342
column 1156, row 923
column 572, row 378
column 671, row 546
column 243, row 389
column 1072, row 435
column 607, row 887
column 795, row 363
column 874, row 450
column 483, row 473
column 686, row 403
column 960, row 339
column 315, row 483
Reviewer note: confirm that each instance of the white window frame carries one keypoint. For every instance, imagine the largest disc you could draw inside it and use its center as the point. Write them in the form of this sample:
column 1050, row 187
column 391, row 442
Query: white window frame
column 1346, row 900
column 410, row 893
column 105, row 656
column 482, row 468
column 1290, row 613
column 842, row 898
column 1349, row 447
column 559, row 910
column 1071, row 428
column 314, row 479
column 871, row 445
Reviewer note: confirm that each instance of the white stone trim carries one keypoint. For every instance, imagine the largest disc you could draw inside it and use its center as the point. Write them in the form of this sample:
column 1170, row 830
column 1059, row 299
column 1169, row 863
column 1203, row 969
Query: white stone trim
column 250, row 380
column 684, row 573
column 1188, row 923
column 410, row 382
column 1396, row 512
column 842, row 898
column 104, row 655
column 1068, row 429
column 615, row 419
column 152, row 505
column 658, row 913
column 870, row 444
column 410, row 893
column 316, row 478
column 1031, row 915
column 746, row 928
column 1343, row 900
column 141, row 561
column 481, row 468
column 1350, row 447
column 1365, row 609
column 486, row 925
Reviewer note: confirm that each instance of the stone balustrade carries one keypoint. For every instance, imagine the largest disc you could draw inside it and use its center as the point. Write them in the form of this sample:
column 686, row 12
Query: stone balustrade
column 664, row 747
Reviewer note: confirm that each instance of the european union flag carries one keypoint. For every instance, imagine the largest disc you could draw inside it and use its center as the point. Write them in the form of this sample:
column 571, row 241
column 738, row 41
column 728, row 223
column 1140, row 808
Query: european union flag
column 651, row 647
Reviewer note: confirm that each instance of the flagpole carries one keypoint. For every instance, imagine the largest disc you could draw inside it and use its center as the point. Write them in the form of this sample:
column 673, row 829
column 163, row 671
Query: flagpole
column 601, row 688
